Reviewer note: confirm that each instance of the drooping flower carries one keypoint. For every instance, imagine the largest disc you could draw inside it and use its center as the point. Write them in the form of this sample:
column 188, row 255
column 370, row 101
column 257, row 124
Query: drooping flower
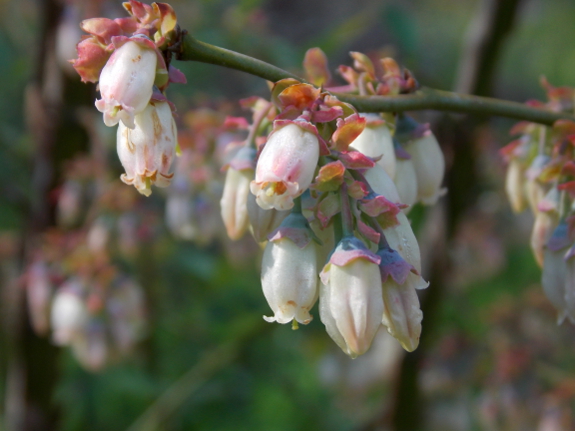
column 126, row 82
column 351, row 302
column 146, row 152
column 382, row 184
column 375, row 141
column 234, row 202
column 69, row 313
column 406, row 182
column 402, row 315
column 515, row 185
column 290, row 271
column 429, row 165
column 535, row 190
column 286, row 165
column 558, row 275
column 546, row 220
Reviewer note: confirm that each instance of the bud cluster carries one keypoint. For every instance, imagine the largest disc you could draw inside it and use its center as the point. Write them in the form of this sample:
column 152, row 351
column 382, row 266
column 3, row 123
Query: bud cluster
column 74, row 285
column 130, row 60
column 541, row 177
column 326, row 190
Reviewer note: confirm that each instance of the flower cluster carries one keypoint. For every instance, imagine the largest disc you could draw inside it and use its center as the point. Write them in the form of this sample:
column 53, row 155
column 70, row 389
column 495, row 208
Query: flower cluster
column 84, row 300
column 314, row 182
column 325, row 188
column 76, row 283
column 130, row 59
column 541, row 177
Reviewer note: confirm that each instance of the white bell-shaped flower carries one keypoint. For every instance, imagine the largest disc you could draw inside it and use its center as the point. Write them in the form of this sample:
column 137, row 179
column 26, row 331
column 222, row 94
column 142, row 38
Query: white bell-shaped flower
column 126, row 83
column 289, row 280
column 147, row 151
column 286, row 166
column 429, row 165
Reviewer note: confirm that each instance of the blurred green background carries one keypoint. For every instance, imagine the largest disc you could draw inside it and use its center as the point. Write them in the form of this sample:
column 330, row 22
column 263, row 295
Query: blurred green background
column 492, row 357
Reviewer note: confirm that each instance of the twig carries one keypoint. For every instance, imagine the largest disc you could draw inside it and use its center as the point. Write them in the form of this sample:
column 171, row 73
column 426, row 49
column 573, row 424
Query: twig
column 426, row 98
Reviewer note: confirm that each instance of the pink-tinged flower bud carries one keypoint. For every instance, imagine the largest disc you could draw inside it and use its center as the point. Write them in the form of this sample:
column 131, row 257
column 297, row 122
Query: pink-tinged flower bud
column 515, row 186
column 126, row 83
column 429, row 165
column 234, row 202
column 351, row 302
column 406, row 182
column 69, row 313
column 286, row 166
column 146, row 152
column 375, row 141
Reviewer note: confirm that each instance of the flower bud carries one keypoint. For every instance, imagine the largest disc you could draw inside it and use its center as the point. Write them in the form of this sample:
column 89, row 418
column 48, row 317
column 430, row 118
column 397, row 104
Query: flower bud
column 515, row 186
column 553, row 280
column 286, row 166
column 91, row 349
column 546, row 220
column 126, row 83
column 146, row 152
column 69, row 314
column 289, row 280
column 535, row 190
column 401, row 313
column 406, row 182
column 382, row 184
column 375, row 141
column 234, row 200
column 402, row 239
column 351, row 303
column 179, row 202
column 429, row 165
column 557, row 275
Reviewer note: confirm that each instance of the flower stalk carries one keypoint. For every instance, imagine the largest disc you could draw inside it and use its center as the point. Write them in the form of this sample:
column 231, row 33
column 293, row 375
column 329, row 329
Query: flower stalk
column 425, row 98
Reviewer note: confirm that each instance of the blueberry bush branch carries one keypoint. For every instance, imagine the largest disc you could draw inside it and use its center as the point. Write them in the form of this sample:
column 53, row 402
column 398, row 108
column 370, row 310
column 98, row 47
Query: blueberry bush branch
column 425, row 98
column 327, row 174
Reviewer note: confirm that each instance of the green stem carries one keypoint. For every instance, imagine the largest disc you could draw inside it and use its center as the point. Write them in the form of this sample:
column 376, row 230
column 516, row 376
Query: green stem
column 195, row 50
column 425, row 98
column 346, row 215
column 296, row 205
